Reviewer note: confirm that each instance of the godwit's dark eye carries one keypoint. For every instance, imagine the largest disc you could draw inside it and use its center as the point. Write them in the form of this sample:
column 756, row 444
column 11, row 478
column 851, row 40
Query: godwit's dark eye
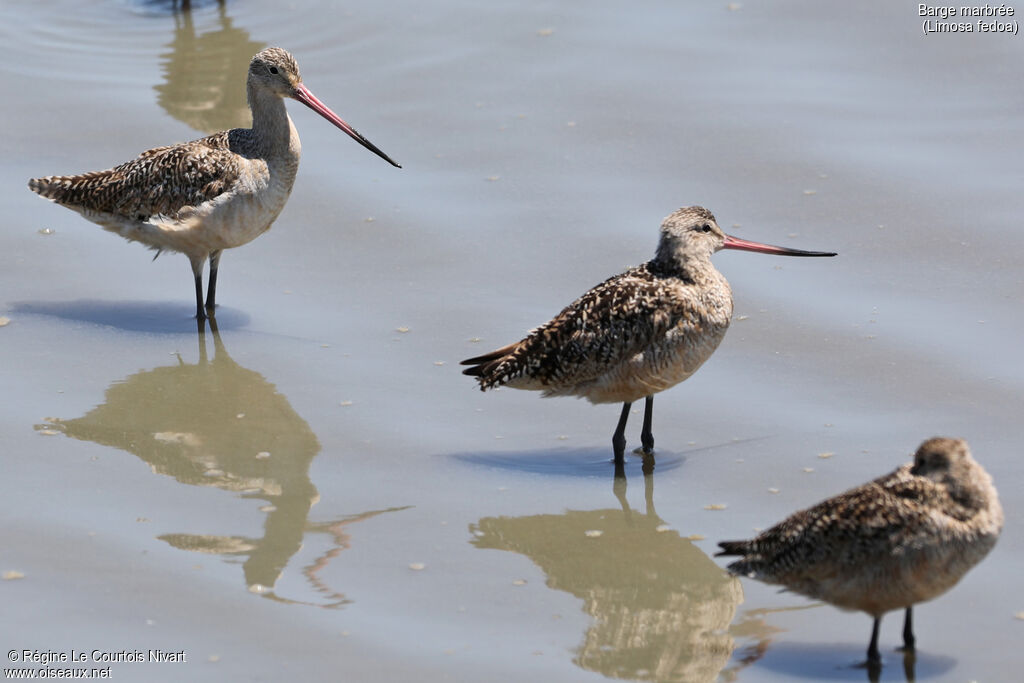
column 273, row 70
column 705, row 228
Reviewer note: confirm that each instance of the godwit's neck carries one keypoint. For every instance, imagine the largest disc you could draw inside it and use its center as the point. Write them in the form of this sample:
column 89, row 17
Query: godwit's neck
column 675, row 260
column 271, row 126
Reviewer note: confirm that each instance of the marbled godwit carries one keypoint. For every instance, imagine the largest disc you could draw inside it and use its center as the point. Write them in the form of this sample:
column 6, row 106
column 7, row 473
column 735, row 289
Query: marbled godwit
column 899, row 540
column 211, row 194
column 635, row 334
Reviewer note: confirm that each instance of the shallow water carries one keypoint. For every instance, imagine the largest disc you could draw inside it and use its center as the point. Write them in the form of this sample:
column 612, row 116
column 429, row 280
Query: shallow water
column 317, row 492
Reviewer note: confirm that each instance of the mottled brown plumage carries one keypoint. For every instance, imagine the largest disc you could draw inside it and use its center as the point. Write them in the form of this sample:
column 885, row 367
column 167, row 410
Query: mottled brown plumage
column 617, row 319
column 634, row 334
column 211, row 194
column 159, row 182
column 901, row 539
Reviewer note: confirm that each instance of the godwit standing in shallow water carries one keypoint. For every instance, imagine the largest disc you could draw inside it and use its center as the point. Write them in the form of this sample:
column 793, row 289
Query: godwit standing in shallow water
column 901, row 539
column 635, row 334
column 211, row 194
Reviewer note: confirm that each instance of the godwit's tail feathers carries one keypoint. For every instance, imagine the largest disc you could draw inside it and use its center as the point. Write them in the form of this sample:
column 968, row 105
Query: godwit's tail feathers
column 733, row 548
column 484, row 367
column 54, row 187
column 99, row 197
column 93, row 191
column 491, row 355
column 749, row 563
column 40, row 186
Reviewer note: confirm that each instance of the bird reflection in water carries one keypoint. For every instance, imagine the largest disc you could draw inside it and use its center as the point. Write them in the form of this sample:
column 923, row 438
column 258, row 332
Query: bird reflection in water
column 216, row 423
column 661, row 607
column 201, row 87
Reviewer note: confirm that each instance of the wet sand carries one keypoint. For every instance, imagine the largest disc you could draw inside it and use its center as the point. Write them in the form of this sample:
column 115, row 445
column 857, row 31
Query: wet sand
column 317, row 492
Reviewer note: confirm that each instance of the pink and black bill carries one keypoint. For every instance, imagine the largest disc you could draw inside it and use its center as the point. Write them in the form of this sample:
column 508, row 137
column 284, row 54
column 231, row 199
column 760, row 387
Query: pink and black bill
column 302, row 94
column 746, row 245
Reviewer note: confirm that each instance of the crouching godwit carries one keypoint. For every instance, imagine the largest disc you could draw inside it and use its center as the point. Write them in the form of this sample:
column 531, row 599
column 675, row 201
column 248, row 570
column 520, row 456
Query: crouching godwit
column 635, row 334
column 899, row 540
column 211, row 194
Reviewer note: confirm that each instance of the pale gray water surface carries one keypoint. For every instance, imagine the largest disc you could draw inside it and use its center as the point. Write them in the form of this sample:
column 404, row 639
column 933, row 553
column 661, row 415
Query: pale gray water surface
column 319, row 494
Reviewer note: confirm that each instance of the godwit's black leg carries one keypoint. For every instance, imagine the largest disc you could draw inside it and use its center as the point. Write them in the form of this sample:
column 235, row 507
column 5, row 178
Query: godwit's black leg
column 211, row 289
column 197, row 271
column 908, row 631
column 874, row 658
column 646, row 437
column 619, row 437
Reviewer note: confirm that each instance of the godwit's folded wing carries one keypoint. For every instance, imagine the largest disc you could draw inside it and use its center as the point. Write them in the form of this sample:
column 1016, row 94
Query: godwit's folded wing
column 891, row 512
column 623, row 316
column 160, row 181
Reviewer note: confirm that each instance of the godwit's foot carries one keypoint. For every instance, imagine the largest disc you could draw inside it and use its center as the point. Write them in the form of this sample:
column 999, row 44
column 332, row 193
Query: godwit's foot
column 869, row 664
column 646, row 445
column 619, row 452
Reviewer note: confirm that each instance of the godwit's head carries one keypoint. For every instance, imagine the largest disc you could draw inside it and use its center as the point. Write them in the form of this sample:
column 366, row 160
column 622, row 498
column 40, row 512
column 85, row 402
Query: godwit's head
column 276, row 71
column 937, row 458
column 691, row 234
column 948, row 462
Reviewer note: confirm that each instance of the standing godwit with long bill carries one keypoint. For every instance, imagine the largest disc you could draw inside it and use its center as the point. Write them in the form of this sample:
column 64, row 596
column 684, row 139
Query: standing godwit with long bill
column 211, row 194
column 634, row 334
